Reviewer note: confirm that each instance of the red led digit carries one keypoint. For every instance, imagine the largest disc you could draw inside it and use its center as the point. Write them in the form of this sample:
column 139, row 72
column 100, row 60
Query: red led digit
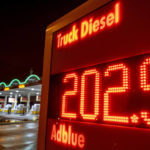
column 122, row 89
column 144, row 75
column 66, row 79
column 145, row 86
column 144, row 116
column 96, row 94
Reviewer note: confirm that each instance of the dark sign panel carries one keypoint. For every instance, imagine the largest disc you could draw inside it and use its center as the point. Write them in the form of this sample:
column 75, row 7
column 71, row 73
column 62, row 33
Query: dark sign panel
column 100, row 80
column 116, row 93
column 70, row 135
column 126, row 35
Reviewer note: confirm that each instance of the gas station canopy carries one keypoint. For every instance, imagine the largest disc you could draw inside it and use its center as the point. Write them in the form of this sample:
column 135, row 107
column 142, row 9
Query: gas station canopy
column 32, row 85
column 33, row 90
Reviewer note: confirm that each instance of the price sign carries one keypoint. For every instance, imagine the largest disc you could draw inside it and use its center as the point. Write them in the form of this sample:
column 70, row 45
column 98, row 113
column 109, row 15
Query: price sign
column 99, row 86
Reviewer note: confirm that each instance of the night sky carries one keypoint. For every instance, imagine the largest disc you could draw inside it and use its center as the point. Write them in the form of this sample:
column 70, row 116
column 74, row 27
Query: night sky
column 22, row 34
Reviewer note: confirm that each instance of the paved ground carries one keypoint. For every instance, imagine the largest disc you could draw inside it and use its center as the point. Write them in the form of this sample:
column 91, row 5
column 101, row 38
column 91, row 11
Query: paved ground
column 18, row 136
column 20, row 117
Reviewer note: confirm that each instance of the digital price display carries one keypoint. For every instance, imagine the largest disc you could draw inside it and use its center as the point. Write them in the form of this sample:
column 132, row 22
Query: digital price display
column 116, row 93
column 99, row 95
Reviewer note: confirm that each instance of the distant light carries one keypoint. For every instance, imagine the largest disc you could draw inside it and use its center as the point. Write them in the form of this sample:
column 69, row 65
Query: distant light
column 37, row 93
column 19, row 95
column 0, row 93
column 32, row 89
column 17, row 91
column 6, row 88
column 21, row 86
column 11, row 92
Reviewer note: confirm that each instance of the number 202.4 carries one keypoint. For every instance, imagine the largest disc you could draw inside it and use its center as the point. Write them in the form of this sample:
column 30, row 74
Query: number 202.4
column 107, row 94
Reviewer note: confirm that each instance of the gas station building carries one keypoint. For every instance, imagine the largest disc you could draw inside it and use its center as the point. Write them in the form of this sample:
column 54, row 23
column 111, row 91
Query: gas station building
column 21, row 97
